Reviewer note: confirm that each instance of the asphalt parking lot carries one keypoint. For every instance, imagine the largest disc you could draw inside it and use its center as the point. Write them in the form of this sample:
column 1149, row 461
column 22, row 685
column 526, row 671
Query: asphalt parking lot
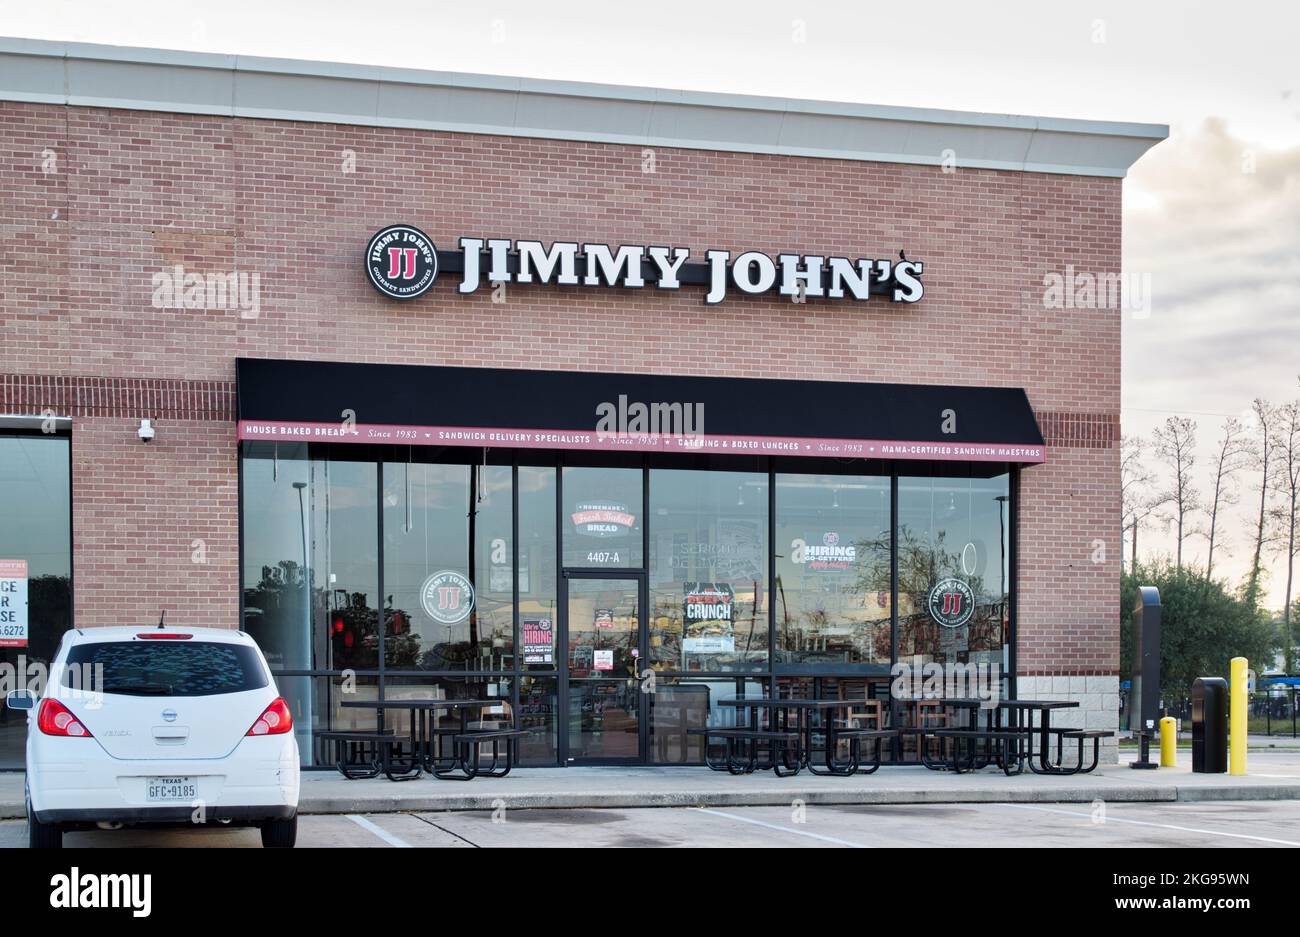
column 1226, row 824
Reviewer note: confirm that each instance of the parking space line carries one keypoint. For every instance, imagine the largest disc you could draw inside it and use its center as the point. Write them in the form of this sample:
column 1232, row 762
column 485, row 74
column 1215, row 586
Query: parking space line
column 1162, row 826
column 775, row 826
column 383, row 834
column 442, row 829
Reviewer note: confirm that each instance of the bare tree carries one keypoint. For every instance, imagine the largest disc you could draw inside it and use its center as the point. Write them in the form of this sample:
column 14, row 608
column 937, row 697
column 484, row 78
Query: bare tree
column 1286, row 484
column 1233, row 453
column 1262, row 452
column 1136, row 501
column 1175, row 445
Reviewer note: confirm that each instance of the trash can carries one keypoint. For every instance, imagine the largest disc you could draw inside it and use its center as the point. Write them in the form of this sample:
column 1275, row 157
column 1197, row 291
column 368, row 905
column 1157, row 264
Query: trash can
column 1209, row 725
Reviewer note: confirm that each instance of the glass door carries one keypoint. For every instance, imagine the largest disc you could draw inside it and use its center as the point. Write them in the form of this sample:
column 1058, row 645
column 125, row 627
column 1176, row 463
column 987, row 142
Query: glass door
column 603, row 636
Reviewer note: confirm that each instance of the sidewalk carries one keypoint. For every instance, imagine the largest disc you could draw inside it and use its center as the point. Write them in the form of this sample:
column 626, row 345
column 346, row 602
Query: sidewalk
column 327, row 792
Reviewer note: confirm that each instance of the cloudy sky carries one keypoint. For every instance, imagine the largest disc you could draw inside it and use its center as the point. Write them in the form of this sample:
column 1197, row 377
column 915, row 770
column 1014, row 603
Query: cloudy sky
column 1212, row 214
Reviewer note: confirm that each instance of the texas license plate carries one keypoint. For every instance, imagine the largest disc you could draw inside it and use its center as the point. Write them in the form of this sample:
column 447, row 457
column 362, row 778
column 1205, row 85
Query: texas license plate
column 171, row 790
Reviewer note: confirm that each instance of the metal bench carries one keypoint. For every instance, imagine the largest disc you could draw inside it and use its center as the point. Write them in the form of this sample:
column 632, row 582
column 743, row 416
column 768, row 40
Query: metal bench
column 1008, row 749
column 467, row 753
column 782, row 745
column 855, row 738
column 361, row 755
column 1082, row 735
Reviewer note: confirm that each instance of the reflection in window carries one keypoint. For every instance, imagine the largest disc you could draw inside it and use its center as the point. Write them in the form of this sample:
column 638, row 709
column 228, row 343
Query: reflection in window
column 602, row 517
column 952, row 569
column 833, row 586
column 708, row 570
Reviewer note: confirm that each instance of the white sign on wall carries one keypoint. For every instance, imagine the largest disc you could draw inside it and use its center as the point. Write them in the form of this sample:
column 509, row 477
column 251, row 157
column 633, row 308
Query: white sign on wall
column 13, row 603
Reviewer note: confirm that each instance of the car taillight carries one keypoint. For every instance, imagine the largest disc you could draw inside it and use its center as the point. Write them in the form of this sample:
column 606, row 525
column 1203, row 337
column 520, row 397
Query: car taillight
column 164, row 636
column 275, row 720
column 53, row 718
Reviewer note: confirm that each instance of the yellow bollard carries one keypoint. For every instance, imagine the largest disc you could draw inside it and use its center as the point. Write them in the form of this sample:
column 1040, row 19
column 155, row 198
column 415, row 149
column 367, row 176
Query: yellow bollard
column 1168, row 742
column 1237, row 717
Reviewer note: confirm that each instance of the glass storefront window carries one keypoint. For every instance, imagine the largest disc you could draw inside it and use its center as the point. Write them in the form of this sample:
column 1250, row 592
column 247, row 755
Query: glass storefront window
column 36, row 531
column 953, row 572
column 539, row 717
column 708, row 570
column 602, row 517
column 679, row 704
column 343, row 528
column 699, row 603
column 277, row 611
column 448, row 606
column 832, row 590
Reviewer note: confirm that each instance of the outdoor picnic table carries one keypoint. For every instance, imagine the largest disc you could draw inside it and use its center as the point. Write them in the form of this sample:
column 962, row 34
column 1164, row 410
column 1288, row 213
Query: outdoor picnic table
column 803, row 724
column 1011, row 740
column 424, row 750
column 1022, row 712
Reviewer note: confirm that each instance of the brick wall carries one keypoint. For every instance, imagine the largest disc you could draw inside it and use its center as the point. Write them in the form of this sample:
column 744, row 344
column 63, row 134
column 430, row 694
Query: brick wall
column 96, row 201
column 155, row 525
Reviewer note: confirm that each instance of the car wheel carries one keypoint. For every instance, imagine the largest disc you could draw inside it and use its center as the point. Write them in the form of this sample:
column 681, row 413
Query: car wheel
column 280, row 834
column 42, row 835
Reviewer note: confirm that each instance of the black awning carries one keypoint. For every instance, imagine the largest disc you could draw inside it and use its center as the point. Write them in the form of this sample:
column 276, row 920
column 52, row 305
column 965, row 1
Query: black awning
column 501, row 408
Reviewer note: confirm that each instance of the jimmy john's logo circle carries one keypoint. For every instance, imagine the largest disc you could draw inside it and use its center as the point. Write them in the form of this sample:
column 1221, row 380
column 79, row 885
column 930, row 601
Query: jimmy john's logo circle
column 447, row 597
column 401, row 261
column 951, row 603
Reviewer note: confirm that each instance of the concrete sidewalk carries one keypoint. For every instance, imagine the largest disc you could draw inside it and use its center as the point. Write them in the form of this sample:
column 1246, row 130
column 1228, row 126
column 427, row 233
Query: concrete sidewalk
column 1272, row 777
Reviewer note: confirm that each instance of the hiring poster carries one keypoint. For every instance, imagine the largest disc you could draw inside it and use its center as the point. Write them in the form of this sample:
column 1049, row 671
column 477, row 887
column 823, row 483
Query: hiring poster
column 539, row 646
column 13, row 603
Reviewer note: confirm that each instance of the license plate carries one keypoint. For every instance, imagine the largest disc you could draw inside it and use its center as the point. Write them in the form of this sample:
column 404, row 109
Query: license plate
column 171, row 790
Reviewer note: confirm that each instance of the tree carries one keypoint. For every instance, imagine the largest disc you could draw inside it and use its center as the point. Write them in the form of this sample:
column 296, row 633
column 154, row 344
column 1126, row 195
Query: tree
column 1262, row 451
column 1234, row 450
column 1136, row 501
column 1203, row 627
column 1286, row 485
column 1175, row 445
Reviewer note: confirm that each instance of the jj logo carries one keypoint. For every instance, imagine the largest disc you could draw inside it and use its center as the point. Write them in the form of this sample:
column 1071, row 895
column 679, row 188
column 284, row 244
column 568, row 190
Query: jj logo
column 401, row 263
column 447, row 597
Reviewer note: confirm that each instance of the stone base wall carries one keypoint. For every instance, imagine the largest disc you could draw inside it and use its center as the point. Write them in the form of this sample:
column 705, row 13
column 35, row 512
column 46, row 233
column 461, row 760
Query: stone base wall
column 1098, row 698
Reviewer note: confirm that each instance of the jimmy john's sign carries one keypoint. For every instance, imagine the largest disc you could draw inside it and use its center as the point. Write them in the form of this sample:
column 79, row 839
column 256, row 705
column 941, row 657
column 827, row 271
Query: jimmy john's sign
column 402, row 262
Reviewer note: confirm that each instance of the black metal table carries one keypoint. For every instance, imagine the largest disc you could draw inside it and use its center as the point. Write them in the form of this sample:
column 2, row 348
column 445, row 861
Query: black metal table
column 1021, row 713
column 778, row 715
column 973, row 706
column 425, row 752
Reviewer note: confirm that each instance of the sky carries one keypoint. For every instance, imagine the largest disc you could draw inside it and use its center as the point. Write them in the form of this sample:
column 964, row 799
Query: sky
column 1212, row 215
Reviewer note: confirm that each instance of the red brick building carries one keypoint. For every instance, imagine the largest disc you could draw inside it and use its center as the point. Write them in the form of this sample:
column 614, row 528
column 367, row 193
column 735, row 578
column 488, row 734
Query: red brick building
column 167, row 214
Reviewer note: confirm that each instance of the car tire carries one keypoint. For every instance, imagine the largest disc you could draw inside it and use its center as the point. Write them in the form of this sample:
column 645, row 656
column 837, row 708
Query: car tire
column 42, row 835
column 280, row 834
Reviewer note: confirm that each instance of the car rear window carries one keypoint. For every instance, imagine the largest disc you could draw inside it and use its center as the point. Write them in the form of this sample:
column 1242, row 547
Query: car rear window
column 168, row 668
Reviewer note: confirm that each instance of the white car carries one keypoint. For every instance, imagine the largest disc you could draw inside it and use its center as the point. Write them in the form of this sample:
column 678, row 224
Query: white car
column 159, row 725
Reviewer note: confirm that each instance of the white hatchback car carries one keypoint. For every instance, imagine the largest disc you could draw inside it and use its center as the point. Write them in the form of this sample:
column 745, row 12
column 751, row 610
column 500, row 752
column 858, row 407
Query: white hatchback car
column 159, row 725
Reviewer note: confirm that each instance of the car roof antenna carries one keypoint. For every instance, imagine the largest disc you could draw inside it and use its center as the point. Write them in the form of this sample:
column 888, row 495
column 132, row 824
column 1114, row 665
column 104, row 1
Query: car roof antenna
column 161, row 616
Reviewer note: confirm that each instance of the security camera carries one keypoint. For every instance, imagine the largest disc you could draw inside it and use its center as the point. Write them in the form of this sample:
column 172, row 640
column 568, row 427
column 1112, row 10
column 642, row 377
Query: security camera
column 146, row 431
